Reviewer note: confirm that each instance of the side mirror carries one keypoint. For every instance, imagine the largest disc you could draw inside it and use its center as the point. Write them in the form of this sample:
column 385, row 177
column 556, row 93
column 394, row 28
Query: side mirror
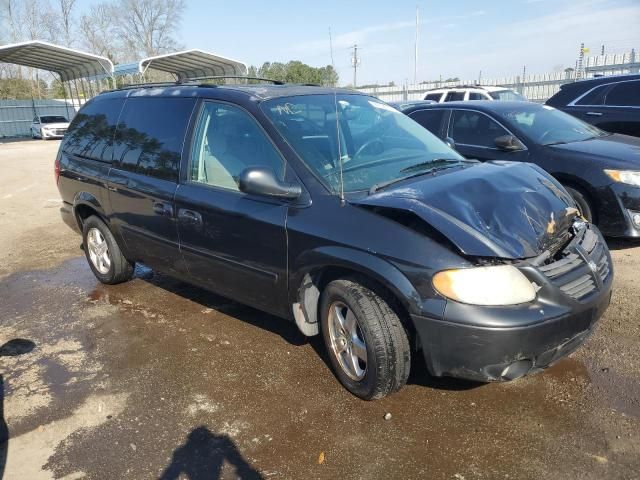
column 450, row 143
column 508, row 143
column 263, row 181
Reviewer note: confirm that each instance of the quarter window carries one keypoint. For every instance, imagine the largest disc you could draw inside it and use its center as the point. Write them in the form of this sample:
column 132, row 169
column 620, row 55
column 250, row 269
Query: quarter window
column 433, row 96
column 91, row 132
column 624, row 94
column 228, row 140
column 474, row 128
column 150, row 135
column 594, row 97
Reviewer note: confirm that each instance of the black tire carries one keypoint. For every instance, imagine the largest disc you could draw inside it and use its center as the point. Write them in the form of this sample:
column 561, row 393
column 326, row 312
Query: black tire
column 120, row 270
column 584, row 205
column 387, row 345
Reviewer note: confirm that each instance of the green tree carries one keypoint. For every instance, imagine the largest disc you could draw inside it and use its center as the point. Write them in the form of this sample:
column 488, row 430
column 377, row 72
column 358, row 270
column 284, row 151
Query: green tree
column 296, row 72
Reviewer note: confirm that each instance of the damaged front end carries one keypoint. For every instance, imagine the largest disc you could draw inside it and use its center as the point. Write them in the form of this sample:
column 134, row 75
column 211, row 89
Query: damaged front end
column 498, row 343
column 540, row 277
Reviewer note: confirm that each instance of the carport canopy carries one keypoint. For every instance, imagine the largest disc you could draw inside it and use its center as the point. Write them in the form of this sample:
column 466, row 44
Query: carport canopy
column 69, row 64
column 194, row 64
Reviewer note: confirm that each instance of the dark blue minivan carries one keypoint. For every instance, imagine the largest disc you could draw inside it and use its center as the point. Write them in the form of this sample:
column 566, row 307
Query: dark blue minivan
column 334, row 210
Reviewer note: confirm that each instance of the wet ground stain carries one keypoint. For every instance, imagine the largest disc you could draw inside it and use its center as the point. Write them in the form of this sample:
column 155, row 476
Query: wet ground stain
column 215, row 387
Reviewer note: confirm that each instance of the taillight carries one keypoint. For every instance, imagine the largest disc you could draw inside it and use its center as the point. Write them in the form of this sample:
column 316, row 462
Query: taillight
column 56, row 168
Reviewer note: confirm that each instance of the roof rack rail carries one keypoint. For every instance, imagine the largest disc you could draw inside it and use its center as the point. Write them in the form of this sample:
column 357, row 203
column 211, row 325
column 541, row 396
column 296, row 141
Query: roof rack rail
column 147, row 85
column 195, row 81
column 239, row 77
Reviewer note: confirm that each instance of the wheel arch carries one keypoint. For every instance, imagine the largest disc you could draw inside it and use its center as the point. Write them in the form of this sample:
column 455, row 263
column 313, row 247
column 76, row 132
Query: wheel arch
column 319, row 267
column 583, row 187
column 86, row 204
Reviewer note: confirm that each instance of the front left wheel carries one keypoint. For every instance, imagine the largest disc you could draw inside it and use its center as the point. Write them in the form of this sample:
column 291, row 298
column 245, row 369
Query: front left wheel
column 367, row 344
column 103, row 253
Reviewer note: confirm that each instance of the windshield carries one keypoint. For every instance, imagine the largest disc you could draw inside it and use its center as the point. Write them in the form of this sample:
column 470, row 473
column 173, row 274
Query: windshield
column 53, row 119
column 377, row 143
column 547, row 126
column 508, row 96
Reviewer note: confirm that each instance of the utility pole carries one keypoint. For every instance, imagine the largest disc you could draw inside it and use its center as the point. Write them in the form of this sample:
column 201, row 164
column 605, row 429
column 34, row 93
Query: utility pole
column 415, row 60
column 580, row 65
column 355, row 61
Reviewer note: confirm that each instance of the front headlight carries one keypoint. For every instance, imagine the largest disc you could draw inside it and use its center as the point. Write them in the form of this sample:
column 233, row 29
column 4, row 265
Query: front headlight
column 630, row 177
column 497, row 285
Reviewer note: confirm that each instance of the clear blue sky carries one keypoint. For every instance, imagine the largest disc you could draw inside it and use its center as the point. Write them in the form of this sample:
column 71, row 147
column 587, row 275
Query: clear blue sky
column 457, row 38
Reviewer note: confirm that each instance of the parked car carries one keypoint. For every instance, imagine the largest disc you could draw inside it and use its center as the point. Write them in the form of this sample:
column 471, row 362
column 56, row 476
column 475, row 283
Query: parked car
column 49, row 126
column 599, row 169
column 334, row 210
column 610, row 103
column 473, row 92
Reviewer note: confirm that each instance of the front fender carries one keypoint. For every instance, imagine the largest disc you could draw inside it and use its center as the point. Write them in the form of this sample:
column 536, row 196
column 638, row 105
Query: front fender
column 359, row 261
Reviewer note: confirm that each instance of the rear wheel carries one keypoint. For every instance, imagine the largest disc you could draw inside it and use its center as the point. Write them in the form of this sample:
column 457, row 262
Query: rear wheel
column 584, row 205
column 366, row 341
column 103, row 254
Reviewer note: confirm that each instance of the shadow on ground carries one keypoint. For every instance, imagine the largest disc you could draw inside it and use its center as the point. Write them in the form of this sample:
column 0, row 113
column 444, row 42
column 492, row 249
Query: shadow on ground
column 622, row 243
column 203, row 455
column 287, row 330
column 17, row 346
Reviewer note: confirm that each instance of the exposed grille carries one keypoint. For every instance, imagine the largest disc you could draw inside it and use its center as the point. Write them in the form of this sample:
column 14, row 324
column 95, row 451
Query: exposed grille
column 583, row 264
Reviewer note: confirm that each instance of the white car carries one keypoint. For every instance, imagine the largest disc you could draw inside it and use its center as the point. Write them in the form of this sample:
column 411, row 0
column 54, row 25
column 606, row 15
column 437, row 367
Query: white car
column 465, row 93
column 49, row 126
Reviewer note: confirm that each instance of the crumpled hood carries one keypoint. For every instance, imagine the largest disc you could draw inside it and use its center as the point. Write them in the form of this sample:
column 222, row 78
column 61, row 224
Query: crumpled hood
column 494, row 209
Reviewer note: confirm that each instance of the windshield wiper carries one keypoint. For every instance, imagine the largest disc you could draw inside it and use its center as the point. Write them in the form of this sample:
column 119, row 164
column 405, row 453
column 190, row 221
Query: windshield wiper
column 436, row 163
column 379, row 186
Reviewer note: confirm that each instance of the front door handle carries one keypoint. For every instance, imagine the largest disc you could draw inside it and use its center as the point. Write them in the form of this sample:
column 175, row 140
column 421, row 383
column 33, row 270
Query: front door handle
column 594, row 114
column 160, row 208
column 189, row 217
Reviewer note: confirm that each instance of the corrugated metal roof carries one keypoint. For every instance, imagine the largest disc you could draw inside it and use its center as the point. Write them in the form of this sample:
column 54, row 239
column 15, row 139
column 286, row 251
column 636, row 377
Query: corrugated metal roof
column 69, row 64
column 194, row 63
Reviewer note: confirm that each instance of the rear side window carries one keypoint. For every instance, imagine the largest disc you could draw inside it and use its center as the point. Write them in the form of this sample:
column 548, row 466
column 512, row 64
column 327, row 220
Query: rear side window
column 433, row 96
column 150, row 135
column 624, row 94
column 594, row 97
column 429, row 119
column 454, row 96
column 90, row 135
column 476, row 96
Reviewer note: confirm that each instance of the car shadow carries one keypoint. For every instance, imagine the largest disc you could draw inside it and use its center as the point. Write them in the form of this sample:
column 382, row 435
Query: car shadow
column 203, row 455
column 279, row 326
column 288, row 330
column 12, row 348
column 622, row 243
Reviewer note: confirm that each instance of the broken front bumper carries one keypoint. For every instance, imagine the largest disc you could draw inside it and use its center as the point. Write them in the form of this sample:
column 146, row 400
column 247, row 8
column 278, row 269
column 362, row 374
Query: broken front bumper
column 503, row 343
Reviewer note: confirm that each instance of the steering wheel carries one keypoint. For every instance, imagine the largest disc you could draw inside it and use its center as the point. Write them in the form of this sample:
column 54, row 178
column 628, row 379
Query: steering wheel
column 366, row 145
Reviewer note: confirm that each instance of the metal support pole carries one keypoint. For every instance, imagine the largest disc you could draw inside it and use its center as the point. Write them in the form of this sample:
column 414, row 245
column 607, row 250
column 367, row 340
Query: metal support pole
column 90, row 87
column 75, row 84
column 84, row 92
column 66, row 104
